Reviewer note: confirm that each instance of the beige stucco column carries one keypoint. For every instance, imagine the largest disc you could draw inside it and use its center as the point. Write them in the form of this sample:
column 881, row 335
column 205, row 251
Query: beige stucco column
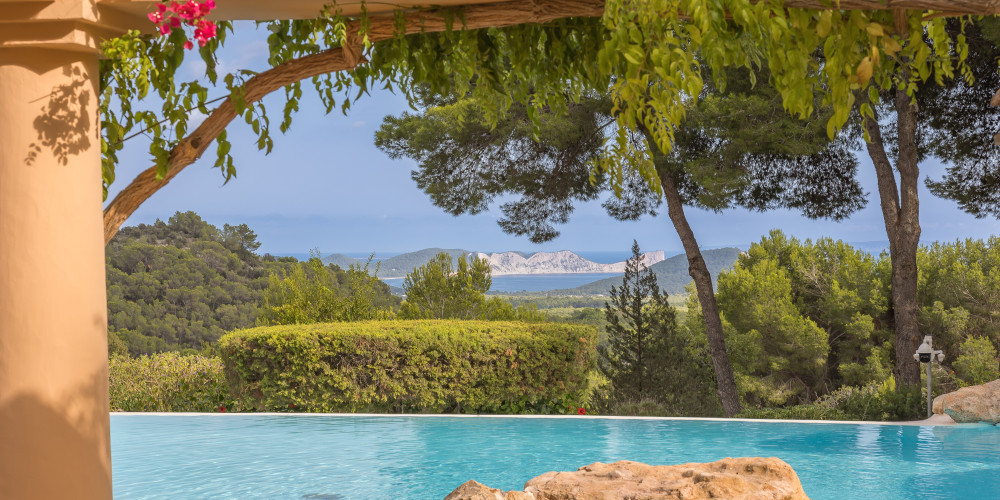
column 54, row 428
column 53, row 346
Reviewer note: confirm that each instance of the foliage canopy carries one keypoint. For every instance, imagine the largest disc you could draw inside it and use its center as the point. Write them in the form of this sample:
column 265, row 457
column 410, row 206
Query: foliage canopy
column 652, row 55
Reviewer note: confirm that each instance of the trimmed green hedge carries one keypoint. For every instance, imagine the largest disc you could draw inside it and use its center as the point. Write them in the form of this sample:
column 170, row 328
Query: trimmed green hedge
column 410, row 366
column 168, row 382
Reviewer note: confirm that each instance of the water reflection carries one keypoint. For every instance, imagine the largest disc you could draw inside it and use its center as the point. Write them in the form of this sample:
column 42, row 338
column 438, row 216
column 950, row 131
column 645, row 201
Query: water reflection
column 321, row 457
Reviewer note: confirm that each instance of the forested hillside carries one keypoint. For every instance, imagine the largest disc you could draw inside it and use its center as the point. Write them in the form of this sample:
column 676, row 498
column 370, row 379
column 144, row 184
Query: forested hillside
column 400, row 265
column 340, row 260
column 182, row 283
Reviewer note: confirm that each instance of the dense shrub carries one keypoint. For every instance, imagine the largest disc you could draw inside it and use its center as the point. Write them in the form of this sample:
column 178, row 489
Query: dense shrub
column 977, row 362
column 437, row 290
column 797, row 412
column 779, row 355
column 877, row 401
column 316, row 293
column 168, row 382
column 874, row 401
column 411, row 366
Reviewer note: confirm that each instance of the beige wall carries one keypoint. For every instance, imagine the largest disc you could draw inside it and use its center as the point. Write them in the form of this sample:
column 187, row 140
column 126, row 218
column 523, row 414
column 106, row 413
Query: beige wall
column 54, row 431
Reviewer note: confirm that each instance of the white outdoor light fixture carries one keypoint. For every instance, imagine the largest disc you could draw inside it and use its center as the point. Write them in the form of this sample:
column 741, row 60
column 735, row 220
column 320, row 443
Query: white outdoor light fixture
column 926, row 354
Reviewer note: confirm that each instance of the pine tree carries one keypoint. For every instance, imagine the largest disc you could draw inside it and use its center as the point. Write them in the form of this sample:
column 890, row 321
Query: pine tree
column 642, row 336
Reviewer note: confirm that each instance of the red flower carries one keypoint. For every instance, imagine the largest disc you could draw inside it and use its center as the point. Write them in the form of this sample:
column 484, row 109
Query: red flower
column 173, row 14
column 189, row 11
column 222, row 409
column 581, row 411
column 207, row 7
column 291, row 406
column 205, row 31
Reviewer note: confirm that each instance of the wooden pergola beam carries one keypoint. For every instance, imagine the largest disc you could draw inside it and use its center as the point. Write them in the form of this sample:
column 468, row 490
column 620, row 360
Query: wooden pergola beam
column 952, row 7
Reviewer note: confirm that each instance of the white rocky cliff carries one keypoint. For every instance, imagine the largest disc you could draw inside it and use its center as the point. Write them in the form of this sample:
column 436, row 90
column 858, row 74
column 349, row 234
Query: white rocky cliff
column 556, row 263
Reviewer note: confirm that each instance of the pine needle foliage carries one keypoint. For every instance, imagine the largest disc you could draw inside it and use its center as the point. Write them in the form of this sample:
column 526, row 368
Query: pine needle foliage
column 642, row 336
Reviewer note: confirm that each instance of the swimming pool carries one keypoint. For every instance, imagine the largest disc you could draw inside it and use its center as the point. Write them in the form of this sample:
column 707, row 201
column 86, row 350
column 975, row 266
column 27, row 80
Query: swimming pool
column 426, row 457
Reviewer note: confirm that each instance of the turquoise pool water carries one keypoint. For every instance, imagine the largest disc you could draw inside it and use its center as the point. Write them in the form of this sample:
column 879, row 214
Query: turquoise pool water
column 383, row 457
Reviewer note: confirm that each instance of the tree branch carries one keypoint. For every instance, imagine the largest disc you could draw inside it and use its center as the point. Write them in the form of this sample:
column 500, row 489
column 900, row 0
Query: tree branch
column 189, row 149
column 384, row 27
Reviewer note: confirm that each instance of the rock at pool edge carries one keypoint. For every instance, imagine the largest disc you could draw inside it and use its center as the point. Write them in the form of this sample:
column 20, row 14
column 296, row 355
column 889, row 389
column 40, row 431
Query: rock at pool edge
column 976, row 403
column 731, row 478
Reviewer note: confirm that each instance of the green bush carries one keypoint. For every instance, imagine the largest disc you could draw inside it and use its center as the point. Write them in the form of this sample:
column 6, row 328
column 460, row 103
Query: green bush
column 977, row 362
column 798, row 412
column 411, row 366
column 877, row 401
column 116, row 346
column 168, row 382
column 874, row 401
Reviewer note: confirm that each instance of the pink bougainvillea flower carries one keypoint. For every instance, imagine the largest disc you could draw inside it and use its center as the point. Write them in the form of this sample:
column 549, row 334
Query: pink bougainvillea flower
column 207, row 27
column 581, row 411
column 188, row 11
column 174, row 14
column 204, row 32
column 205, row 8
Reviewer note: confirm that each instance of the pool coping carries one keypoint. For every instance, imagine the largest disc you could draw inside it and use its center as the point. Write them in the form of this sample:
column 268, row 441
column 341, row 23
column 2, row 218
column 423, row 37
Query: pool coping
column 937, row 420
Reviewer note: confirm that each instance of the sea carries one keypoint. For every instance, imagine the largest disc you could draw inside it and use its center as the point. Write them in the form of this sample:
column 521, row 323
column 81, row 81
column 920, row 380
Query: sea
column 532, row 282
column 601, row 257
column 520, row 282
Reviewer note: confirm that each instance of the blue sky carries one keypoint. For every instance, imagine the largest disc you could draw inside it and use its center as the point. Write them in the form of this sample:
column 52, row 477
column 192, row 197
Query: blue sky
column 326, row 186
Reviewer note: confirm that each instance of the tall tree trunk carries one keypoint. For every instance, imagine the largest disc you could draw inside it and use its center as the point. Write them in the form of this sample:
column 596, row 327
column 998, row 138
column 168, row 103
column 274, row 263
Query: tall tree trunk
column 901, row 213
column 724, row 380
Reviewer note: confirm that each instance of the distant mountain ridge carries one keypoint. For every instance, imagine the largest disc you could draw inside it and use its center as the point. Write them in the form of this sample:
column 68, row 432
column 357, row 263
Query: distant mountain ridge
column 503, row 263
column 671, row 274
column 341, row 260
column 397, row 266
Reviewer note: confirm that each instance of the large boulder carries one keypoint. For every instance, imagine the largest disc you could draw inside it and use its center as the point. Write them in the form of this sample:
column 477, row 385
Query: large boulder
column 977, row 403
column 731, row 478
column 474, row 490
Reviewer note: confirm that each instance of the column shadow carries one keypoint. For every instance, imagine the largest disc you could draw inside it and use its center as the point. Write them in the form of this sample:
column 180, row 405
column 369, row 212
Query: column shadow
column 52, row 454
column 64, row 124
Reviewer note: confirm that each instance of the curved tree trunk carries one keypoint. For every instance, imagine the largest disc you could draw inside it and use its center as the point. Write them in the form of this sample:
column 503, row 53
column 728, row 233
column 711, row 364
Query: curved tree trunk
column 379, row 28
column 901, row 213
column 724, row 380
